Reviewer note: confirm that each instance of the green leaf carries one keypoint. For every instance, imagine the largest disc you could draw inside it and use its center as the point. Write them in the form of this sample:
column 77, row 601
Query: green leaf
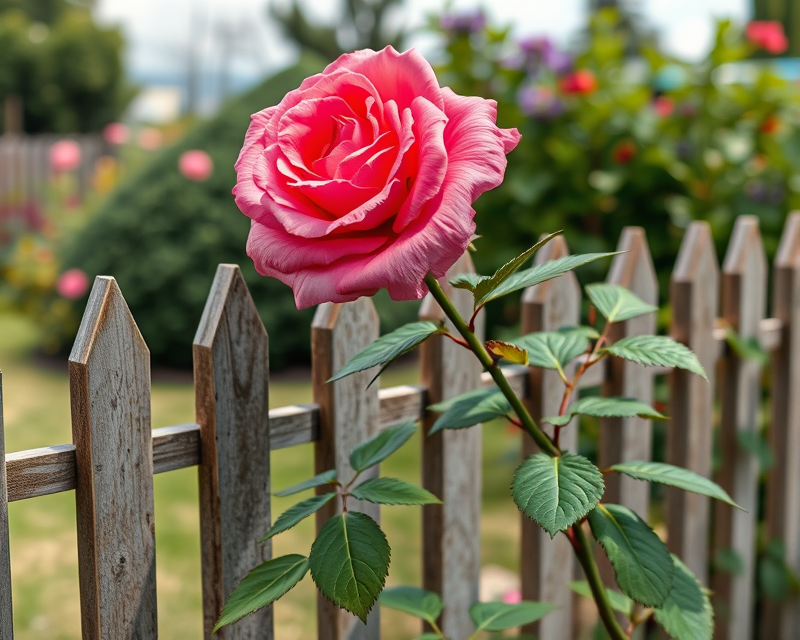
column 388, row 347
column 557, row 492
column 485, row 287
column 746, row 348
column 429, row 636
column 675, row 477
column 686, row 613
column 600, row 407
column 554, row 349
column 467, row 281
column 616, row 303
column 349, row 562
column 657, row 351
column 541, row 273
column 500, row 350
column 498, row 616
column 392, row 491
column 263, row 585
column 754, row 442
column 641, row 561
column 381, row 446
column 415, row 601
column 297, row 513
column 619, row 601
column 469, row 409
column 326, row 477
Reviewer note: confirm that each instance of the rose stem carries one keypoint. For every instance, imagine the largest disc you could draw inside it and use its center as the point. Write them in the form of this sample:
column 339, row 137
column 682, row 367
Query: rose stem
column 575, row 534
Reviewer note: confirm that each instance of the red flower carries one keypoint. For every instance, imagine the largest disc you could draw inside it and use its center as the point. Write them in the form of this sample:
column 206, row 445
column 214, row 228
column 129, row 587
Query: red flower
column 624, row 152
column 768, row 35
column 580, row 81
column 663, row 106
column 770, row 125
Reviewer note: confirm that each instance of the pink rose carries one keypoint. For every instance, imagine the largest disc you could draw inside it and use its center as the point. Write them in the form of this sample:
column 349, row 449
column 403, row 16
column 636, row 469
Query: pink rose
column 72, row 284
column 196, row 165
column 65, row 155
column 116, row 133
column 364, row 178
column 768, row 35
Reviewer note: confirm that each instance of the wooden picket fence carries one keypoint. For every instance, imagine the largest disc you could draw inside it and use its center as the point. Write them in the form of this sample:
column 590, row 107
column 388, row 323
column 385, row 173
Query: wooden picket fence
column 114, row 454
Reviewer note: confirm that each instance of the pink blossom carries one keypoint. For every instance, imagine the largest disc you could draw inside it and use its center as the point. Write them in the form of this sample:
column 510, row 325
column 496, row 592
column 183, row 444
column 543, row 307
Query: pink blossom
column 196, row 165
column 768, row 35
column 581, row 81
column 116, row 133
column 65, row 155
column 72, row 284
column 513, row 597
column 150, row 139
column 364, row 178
column 663, row 106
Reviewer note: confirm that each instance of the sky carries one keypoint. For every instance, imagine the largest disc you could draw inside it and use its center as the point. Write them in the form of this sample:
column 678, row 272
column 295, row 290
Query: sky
column 160, row 33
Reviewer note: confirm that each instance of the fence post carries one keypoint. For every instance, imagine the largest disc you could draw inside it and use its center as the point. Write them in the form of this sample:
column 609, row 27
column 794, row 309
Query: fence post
column 348, row 415
column 629, row 438
column 6, row 619
column 109, row 372
column 451, row 468
column 694, row 294
column 547, row 565
column 231, row 375
column 780, row 621
column 744, row 290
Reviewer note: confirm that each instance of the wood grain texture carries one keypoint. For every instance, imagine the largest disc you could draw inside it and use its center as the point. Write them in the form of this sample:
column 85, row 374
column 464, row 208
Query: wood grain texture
column 744, row 291
column 547, row 564
column 624, row 439
column 781, row 621
column 348, row 415
column 40, row 472
column 451, row 469
column 6, row 618
column 231, row 373
column 694, row 295
column 109, row 372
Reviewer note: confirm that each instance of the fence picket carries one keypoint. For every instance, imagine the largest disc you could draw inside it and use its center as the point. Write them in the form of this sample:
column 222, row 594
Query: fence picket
column 451, row 469
column 109, row 371
column 6, row 619
column 348, row 415
column 780, row 621
column 231, row 371
column 629, row 438
column 547, row 563
column 744, row 292
column 695, row 299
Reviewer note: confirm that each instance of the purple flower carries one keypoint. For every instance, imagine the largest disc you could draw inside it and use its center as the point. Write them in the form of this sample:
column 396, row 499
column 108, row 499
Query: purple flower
column 536, row 45
column 463, row 23
column 764, row 193
column 540, row 102
column 539, row 51
column 558, row 62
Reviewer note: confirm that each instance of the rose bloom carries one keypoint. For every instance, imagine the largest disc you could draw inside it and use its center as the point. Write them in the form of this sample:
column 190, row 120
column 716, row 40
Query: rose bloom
column 580, row 81
column 196, row 165
column 364, row 178
column 116, row 133
column 65, row 155
column 72, row 284
column 768, row 35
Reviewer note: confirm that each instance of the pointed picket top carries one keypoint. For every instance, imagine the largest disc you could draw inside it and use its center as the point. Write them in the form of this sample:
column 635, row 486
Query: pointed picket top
column 109, row 371
column 744, row 274
column 544, row 561
column 788, row 256
column 106, row 311
column 694, row 293
column 6, row 622
column 634, row 269
column 231, row 369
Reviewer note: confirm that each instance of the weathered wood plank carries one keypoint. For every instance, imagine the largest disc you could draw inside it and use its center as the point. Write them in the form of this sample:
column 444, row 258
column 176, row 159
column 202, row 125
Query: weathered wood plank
column 451, row 469
column 231, row 373
column 40, row 472
column 781, row 621
column 547, row 564
column 629, row 438
column 744, row 291
column 176, row 447
column 6, row 617
column 695, row 301
column 348, row 415
column 109, row 371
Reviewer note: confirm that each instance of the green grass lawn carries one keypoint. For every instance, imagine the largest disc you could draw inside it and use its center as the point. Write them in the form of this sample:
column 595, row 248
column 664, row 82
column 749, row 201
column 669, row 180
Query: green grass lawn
column 43, row 539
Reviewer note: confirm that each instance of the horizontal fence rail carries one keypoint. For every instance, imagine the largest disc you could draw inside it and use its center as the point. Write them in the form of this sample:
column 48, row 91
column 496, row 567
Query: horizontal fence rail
column 234, row 432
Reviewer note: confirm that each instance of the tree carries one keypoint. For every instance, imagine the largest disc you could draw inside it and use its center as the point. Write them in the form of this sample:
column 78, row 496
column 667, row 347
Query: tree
column 365, row 26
